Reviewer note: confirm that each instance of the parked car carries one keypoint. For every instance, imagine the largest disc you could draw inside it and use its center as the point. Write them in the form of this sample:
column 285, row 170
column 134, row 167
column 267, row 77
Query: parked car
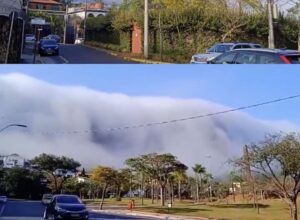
column 53, row 37
column 258, row 56
column 3, row 199
column 66, row 207
column 79, row 41
column 48, row 47
column 218, row 49
column 29, row 38
column 47, row 198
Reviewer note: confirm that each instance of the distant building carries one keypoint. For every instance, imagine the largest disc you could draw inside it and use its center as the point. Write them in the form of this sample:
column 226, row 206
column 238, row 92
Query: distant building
column 64, row 173
column 45, row 5
column 93, row 10
column 13, row 160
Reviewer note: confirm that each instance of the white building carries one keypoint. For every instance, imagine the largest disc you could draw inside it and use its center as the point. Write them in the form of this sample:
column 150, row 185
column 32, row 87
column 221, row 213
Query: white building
column 65, row 173
column 13, row 160
column 89, row 13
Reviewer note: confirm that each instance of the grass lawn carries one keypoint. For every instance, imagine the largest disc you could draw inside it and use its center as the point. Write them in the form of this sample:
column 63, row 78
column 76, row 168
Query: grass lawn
column 269, row 210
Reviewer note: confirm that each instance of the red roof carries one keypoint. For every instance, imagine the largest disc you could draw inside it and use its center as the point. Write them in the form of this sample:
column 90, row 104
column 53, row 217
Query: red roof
column 51, row 2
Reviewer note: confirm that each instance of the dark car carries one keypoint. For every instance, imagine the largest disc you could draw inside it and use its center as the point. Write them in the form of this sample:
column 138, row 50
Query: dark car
column 220, row 48
column 258, row 56
column 66, row 207
column 53, row 37
column 48, row 47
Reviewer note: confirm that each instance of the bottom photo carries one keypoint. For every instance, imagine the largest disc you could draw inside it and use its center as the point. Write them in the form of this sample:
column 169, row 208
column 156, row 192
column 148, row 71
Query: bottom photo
column 149, row 142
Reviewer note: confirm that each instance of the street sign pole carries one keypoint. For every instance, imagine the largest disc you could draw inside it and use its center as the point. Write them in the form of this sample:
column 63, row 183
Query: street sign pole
column 35, row 42
column 65, row 27
column 10, row 35
column 84, row 24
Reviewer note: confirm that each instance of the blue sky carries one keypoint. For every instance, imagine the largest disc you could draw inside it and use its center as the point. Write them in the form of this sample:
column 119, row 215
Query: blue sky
column 229, row 85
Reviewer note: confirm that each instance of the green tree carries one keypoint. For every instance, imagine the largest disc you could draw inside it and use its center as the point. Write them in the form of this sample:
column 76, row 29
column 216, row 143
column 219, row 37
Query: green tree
column 158, row 167
column 199, row 171
column 48, row 164
column 22, row 183
column 277, row 159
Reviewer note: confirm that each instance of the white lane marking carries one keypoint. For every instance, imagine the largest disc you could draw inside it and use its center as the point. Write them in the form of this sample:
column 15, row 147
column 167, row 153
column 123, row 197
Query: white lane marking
column 2, row 209
column 64, row 59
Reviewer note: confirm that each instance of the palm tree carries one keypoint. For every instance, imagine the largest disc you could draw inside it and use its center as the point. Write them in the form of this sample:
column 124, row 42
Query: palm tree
column 180, row 176
column 199, row 170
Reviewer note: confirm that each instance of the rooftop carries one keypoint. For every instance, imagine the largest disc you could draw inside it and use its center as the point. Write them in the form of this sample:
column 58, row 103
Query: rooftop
column 51, row 2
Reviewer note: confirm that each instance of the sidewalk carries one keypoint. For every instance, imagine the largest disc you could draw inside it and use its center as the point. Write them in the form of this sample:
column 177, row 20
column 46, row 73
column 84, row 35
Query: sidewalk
column 151, row 215
column 121, row 55
column 27, row 56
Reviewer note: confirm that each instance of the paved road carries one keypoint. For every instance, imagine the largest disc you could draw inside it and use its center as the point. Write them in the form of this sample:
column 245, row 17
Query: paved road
column 75, row 54
column 33, row 210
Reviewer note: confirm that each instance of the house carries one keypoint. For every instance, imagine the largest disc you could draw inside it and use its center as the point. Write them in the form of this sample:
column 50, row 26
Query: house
column 13, row 160
column 45, row 5
column 93, row 10
column 64, row 173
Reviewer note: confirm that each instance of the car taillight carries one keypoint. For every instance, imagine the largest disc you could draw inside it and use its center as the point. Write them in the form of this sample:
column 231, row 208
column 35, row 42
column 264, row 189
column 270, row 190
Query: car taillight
column 284, row 59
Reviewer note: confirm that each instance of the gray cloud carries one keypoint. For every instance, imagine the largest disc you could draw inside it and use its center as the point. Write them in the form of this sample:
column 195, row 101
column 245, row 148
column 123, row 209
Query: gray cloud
column 49, row 108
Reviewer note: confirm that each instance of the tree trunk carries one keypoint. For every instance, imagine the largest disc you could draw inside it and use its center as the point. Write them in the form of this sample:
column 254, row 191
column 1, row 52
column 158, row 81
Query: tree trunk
column 233, row 193
column 179, row 190
column 299, row 40
column 293, row 207
column 162, row 195
column 197, row 190
column 102, row 199
column 152, row 192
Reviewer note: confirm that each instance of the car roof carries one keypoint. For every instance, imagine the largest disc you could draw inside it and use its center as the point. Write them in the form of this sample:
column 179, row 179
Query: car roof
column 64, row 195
column 276, row 51
column 49, row 40
column 236, row 43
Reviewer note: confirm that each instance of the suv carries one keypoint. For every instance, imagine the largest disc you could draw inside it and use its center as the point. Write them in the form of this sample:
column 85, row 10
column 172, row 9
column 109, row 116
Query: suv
column 258, row 56
column 220, row 48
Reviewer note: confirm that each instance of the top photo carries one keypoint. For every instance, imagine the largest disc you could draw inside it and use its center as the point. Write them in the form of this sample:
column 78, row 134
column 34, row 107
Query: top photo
column 150, row 31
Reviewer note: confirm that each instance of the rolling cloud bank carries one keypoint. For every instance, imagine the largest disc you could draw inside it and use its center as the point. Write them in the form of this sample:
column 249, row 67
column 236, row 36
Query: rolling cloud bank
column 60, row 120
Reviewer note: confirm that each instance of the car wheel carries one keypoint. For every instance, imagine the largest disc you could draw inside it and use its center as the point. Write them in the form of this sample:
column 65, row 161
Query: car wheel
column 45, row 215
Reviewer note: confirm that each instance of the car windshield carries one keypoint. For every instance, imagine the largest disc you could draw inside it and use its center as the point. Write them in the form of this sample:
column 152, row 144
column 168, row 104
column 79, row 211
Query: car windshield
column 257, row 46
column 68, row 199
column 295, row 59
column 222, row 48
column 49, row 42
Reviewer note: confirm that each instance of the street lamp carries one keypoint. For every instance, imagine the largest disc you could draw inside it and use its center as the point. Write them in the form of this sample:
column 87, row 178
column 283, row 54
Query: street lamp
column 13, row 125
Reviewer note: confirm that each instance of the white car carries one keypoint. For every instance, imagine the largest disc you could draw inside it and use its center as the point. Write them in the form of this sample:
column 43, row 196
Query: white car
column 3, row 199
column 79, row 41
column 219, row 49
column 29, row 38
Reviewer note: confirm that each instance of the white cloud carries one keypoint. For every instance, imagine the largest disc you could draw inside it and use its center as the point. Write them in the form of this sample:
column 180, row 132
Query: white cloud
column 49, row 108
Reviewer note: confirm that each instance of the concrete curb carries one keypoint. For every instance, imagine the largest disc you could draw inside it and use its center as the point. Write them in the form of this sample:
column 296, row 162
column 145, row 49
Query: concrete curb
column 151, row 215
column 139, row 60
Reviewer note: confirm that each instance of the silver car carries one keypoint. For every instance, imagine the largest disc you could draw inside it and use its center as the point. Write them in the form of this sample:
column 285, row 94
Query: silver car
column 219, row 49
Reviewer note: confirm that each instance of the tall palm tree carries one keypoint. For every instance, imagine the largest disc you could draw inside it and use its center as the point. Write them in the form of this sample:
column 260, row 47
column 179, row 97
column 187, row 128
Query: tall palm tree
column 180, row 176
column 199, row 170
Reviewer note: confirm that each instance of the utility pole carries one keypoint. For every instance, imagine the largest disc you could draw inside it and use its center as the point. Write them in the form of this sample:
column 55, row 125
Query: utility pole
column 271, row 26
column 66, row 22
column 84, row 24
column 12, row 20
column 146, row 28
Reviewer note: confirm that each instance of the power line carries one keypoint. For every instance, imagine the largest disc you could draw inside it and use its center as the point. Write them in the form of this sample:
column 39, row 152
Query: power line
column 174, row 120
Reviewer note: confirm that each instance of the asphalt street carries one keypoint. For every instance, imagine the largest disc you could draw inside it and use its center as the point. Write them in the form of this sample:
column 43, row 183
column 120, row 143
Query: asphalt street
column 33, row 210
column 74, row 54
